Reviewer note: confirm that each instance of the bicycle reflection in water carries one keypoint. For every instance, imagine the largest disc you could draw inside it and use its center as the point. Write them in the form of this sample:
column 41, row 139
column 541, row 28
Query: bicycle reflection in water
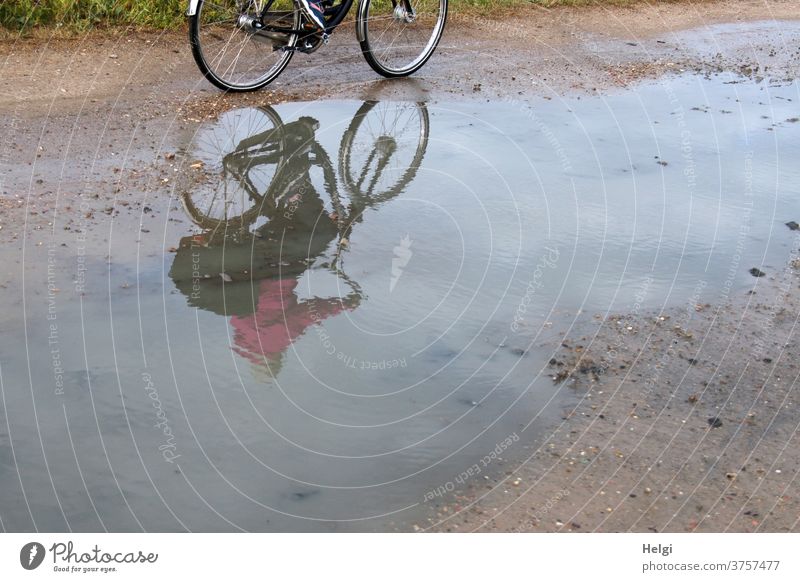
column 270, row 208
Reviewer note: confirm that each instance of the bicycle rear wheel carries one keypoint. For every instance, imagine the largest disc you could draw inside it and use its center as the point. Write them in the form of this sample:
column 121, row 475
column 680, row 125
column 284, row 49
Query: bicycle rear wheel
column 232, row 49
column 397, row 37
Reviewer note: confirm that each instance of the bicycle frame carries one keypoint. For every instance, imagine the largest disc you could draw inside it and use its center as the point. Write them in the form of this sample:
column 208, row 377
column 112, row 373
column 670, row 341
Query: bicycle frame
column 339, row 15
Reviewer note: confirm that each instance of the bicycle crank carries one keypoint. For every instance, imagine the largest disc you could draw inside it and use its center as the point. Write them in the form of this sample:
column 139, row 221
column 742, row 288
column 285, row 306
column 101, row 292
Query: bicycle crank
column 264, row 32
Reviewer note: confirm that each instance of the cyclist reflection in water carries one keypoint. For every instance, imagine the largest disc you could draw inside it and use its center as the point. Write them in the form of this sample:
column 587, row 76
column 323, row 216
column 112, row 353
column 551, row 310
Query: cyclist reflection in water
column 280, row 316
column 265, row 224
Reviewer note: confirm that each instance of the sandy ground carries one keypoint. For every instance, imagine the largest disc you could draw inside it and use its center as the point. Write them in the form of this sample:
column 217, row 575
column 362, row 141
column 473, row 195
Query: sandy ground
column 686, row 420
column 715, row 448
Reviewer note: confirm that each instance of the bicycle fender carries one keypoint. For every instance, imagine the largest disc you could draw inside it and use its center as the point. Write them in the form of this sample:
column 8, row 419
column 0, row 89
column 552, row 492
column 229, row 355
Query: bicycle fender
column 361, row 22
column 192, row 9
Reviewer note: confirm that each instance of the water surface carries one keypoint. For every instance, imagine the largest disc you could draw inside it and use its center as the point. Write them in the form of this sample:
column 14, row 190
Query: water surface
column 345, row 306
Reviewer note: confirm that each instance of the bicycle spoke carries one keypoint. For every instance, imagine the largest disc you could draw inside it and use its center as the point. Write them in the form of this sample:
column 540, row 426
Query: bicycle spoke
column 228, row 48
column 230, row 192
column 397, row 41
column 384, row 150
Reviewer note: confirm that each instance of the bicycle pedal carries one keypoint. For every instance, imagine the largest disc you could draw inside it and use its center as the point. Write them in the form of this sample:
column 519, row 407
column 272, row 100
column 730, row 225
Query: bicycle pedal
column 326, row 38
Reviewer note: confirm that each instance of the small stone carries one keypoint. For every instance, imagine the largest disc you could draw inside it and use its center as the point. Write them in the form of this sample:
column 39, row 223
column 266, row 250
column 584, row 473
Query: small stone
column 756, row 272
column 226, row 277
column 793, row 225
column 714, row 422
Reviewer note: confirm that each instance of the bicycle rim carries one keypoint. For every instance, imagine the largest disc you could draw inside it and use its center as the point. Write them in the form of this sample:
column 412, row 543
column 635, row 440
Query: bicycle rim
column 382, row 149
column 398, row 36
column 230, row 53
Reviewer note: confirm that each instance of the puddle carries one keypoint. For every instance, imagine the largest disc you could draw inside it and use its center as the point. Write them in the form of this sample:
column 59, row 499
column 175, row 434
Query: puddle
column 347, row 309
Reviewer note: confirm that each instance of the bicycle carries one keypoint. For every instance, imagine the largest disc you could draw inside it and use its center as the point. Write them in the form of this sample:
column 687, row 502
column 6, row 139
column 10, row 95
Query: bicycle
column 243, row 45
column 251, row 161
column 266, row 196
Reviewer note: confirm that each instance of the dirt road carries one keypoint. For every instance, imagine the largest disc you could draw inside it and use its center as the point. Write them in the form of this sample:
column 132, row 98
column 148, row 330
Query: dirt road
column 538, row 51
column 686, row 420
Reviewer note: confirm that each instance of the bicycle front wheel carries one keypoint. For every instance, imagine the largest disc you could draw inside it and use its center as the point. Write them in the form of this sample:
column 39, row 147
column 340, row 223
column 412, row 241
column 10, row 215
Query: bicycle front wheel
column 234, row 46
column 397, row 37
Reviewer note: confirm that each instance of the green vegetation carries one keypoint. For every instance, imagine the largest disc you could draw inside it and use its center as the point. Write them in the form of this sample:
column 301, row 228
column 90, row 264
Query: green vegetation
column 84, row 14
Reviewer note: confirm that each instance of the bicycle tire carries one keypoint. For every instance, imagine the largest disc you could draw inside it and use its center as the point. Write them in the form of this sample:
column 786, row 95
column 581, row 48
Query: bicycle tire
column 373, row 13
column 404, row 177
column 216, row 77
column 199, row 211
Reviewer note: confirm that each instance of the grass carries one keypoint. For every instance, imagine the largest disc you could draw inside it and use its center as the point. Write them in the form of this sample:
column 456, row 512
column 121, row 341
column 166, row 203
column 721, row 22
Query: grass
column 85, row 14
column 24, row 15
